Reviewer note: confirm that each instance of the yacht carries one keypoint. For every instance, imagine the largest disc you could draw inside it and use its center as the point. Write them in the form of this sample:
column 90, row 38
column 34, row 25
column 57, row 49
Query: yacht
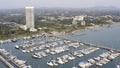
column 24, row 51
column 50, row 63
column 85, row 64
column 74, row 67
column 60, row 61
column 71, row 57
column 99, row 64
column 97, row 58
column 29, row 66
column 14, row 40
column 91, row 61
column 54, row 63
column 80, row 55
column 17, row 47
column 34, row 56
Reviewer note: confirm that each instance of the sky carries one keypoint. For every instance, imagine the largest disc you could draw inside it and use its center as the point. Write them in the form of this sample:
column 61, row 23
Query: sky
column 8, row 4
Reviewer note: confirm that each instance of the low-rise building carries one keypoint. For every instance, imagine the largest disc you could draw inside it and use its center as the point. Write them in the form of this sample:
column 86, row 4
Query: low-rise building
column 77, row 19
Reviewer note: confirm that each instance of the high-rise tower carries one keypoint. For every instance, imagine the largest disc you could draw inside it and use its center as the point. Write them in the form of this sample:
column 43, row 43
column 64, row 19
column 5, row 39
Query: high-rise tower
column 30, row 18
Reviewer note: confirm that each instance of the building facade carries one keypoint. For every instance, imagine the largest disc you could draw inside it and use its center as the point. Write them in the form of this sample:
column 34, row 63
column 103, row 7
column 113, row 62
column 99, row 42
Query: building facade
column 78, row 19
column 30, row 24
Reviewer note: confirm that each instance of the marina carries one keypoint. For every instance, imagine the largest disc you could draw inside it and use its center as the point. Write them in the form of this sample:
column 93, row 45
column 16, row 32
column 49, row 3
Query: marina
column 100, row 60
column 66, row 58
column 42, row 51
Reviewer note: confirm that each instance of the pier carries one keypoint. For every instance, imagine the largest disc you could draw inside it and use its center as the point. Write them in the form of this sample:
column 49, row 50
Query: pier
column 6, row 62
column 102, row 47
column 93, row 45
column 10, row 62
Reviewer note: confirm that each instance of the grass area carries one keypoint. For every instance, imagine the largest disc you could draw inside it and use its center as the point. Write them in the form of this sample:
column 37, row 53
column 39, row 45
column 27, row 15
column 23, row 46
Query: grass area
column 8, row 32
column 14, row 33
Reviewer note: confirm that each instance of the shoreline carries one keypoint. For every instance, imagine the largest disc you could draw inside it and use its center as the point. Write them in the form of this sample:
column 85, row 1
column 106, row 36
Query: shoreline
column 91, row 28
column 62, row 33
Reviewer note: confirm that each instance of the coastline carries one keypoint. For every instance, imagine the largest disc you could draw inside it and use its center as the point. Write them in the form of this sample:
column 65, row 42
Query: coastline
column 60, row 33
column 91, row 28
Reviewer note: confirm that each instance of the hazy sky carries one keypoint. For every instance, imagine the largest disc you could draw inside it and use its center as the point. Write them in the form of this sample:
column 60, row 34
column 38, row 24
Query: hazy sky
column 57, row 3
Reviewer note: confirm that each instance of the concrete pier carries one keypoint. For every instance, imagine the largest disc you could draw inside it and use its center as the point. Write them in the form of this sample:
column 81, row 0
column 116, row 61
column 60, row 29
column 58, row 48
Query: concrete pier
column 102, row 47
column 93, row 45
column 6, row 62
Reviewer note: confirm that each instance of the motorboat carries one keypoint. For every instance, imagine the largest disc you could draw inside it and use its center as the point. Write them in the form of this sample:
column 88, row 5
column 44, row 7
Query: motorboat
column 50, row 63
column 85, row 64
column 17, row 46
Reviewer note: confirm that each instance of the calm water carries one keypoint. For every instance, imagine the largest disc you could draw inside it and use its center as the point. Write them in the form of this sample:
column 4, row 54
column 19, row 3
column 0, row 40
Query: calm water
column 2, row 65
column 106, row 36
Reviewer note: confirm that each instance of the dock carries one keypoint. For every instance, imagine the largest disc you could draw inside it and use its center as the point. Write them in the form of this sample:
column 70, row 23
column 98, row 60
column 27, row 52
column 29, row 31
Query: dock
column 93, row 45
column 103, row 47
column 6, row 62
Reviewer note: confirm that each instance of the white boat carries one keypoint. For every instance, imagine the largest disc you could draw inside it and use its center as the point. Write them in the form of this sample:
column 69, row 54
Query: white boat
column 14, row 40
column 17, row 47
column 71, row 57
column 12, row 57
column 105, row 59
column 54, row 63
column 1, row 41
column 85, row 64
column 81, row 43
column 74, row 67
column 91, row 61
column 60, row 61
column 97, row 58
column 34, row 56
column 24, row 51
column 27, row 66
column 50, row 63
column 104, row 55
column 118, row 66
column 99, row 64
column 80, row 55
column 20, row 62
